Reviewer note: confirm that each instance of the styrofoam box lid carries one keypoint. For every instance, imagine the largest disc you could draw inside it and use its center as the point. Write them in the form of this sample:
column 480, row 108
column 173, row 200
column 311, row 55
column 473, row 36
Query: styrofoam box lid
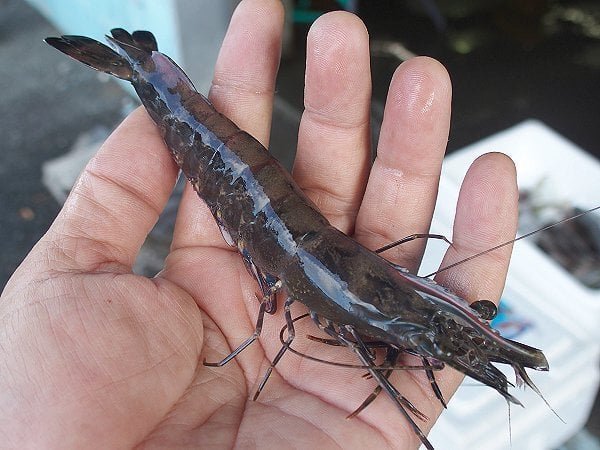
column 568, row 174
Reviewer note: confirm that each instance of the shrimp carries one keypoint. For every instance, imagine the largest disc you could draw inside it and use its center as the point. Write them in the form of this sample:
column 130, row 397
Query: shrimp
column 357, row 297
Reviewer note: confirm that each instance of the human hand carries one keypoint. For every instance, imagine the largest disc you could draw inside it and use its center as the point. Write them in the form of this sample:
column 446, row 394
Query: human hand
column 93, row 355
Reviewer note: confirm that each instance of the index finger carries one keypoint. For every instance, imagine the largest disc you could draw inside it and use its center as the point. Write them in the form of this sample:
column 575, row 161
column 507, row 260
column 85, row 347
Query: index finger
column 242, row 90
column 334, row 154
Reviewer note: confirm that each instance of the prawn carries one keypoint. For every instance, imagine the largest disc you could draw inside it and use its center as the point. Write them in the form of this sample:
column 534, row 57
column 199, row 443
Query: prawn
column 358, row 298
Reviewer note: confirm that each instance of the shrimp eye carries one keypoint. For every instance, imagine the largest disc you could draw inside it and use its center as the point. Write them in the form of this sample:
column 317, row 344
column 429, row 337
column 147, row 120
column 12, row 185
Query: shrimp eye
column 486, row 309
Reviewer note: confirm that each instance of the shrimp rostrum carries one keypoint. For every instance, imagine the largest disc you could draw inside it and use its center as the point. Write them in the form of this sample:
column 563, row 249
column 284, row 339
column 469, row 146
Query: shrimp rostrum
column 354, row 295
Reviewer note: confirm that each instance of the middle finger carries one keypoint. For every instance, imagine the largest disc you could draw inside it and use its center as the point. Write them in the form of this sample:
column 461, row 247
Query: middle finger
column 403, row 183
column 333, row 155
column 242, row 90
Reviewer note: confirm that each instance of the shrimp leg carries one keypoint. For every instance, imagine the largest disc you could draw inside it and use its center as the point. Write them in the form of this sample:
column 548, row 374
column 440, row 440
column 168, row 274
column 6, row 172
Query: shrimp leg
column 390, row 364
column 412, row 237
column 390, row 359
column 434, row 386
column 267, row 283
column 361, row 350
column 246, row 343
column 286, row 345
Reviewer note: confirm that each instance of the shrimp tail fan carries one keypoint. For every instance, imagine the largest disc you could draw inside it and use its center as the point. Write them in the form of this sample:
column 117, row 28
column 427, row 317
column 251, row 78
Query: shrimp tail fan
column 94, row 54
column 129, row 49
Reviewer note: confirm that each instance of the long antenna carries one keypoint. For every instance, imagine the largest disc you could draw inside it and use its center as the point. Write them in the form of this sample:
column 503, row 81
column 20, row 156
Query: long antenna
column 576, row 216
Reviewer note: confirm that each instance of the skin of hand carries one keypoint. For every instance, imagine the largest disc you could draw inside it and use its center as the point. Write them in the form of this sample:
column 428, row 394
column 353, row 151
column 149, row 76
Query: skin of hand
column 94, row 355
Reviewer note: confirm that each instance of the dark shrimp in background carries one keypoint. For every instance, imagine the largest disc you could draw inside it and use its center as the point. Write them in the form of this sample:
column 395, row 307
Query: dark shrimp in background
column 358, row 298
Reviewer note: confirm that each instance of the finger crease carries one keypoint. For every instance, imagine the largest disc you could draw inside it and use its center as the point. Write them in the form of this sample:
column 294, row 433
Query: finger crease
column 342, row 205
column 335, row 123
column 139, row 195
column 240, row 87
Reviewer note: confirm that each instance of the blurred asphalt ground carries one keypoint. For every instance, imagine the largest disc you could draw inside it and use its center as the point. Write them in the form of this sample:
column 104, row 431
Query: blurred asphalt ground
column 44, row 106
column 49, row 102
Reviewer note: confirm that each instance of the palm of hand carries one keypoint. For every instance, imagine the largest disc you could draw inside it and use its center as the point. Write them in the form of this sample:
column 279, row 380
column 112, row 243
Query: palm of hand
column 98, row 355
column 121, row 359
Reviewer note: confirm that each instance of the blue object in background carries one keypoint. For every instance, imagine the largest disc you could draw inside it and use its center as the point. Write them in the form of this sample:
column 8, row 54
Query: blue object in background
column 509, row 323
column 189, row 31
column 303, row 12
column 95, row 19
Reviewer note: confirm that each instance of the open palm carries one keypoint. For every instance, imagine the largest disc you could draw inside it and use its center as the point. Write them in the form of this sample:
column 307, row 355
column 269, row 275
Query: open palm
column 93, row 355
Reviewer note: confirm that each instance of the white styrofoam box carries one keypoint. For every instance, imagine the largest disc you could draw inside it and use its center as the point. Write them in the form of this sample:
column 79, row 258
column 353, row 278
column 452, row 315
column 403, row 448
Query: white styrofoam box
column 540, row 154
column 566, row 174
column 552, row 310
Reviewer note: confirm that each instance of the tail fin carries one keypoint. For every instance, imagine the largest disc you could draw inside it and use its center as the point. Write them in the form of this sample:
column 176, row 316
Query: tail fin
column 94, row 54
column 143, row 40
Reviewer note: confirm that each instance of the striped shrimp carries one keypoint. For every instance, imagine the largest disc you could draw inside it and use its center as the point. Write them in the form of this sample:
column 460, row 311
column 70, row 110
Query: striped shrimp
column 358, row 298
